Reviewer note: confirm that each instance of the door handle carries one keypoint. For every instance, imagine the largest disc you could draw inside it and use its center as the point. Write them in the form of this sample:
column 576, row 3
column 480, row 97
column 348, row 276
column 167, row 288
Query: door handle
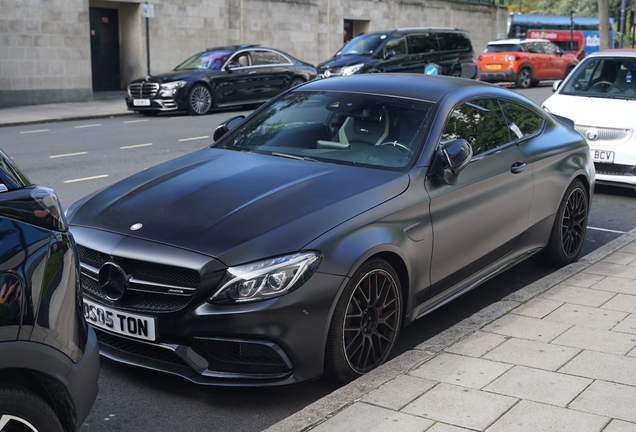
column 517, row 167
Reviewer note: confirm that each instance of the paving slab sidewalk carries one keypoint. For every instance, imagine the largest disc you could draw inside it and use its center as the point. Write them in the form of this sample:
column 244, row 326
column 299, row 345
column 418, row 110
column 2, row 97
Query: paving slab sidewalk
column 557, row 355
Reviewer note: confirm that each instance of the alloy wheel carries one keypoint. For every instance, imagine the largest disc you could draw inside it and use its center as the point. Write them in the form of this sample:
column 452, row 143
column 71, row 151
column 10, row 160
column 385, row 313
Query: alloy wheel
column 200, row 100
column 574, row 222
column 371, row 321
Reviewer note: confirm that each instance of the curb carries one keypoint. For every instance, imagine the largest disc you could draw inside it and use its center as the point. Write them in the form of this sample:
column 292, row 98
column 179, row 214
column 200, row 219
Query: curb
column 328, row 406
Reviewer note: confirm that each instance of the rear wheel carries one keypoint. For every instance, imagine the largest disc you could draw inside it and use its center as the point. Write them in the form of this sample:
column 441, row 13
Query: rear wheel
column 366, row 322
column 199, row 100
column 23, row 411
column 568, row 231
column 524, row 79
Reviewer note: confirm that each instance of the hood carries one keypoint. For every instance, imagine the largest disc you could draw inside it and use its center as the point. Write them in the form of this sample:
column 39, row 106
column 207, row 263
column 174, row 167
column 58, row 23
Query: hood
column 237, row 206
column 346, row 60
column 188, row 75
column 593, row 111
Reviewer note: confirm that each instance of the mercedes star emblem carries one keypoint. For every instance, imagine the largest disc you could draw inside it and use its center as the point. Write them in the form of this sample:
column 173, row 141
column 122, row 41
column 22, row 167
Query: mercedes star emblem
column 113, row 281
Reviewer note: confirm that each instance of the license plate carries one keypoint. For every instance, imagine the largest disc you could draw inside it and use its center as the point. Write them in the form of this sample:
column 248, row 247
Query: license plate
column 123, row 323
column 493, row 66
column 141, row 102
column 602, row 156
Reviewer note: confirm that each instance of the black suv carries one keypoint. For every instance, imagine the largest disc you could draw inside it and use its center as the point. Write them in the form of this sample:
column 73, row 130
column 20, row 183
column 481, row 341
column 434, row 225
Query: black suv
column 446, row 51
column 49, row 361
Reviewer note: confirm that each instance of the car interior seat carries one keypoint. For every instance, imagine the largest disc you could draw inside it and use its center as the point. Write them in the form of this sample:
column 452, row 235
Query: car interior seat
column 369, row 127
column 626, row 82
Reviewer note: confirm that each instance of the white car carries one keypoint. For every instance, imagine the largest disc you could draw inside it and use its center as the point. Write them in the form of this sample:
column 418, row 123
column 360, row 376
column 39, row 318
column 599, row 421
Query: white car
column 600, row 97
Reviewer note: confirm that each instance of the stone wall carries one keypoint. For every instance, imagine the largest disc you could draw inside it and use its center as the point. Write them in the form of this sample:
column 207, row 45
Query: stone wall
column 45, row 53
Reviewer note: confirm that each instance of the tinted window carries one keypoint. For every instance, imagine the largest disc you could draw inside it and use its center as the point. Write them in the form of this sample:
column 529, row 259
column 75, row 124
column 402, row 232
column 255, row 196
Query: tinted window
column 480, row 122
column 534, row 47
column 268, row 58
column 454, row 41
column 522, row 122
column 422, row 43
column 550, row 48
column 397, row 44
column 362, row 44
column 503, row 48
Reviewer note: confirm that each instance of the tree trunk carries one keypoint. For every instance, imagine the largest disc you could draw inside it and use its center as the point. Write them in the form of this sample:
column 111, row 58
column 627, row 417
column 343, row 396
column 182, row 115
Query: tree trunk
column 604, row 25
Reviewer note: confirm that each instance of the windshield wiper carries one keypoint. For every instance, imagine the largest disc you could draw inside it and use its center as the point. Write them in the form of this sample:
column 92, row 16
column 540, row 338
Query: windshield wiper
column 290, row 156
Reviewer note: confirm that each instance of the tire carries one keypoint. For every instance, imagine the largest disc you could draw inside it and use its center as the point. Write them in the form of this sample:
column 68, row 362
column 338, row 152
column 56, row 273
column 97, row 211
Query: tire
column 524, row 79
column 456, row 73
column 366, row 322
column 23, row 411
column 199, row 100
column 296, row 81
column 568, row 231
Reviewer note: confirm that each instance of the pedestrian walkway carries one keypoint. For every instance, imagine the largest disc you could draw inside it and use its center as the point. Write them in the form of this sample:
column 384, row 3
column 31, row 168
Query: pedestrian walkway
column 110, row 104
column 557, row 355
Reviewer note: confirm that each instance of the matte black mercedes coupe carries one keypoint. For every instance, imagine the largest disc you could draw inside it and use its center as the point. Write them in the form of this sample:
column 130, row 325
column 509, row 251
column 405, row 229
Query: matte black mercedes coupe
column 313, row 230
column 219, row 77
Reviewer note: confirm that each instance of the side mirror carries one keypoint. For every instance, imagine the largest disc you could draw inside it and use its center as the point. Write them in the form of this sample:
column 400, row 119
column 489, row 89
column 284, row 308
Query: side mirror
column 389, row 54
column 457, row 155
column 227, row 126
column 556, row 85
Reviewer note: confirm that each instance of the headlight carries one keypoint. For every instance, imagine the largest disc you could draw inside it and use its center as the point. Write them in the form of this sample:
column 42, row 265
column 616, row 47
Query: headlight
column 266, row 279
column 171, row 88
column 350, row 70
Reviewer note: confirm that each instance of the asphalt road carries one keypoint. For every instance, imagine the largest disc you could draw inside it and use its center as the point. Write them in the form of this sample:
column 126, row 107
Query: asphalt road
column 79, row 157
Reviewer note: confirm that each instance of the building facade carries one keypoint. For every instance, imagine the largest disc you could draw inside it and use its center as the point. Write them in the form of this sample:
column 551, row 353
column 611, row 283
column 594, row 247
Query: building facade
column 66, row 50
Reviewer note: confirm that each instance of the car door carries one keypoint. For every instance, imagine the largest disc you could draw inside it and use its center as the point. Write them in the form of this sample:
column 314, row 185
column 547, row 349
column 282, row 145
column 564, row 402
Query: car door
column 423, row 50
column 234, row 84
column 557, row 63
column 395, row 56
column 272, row 72
column 479, row 219
column 539, row 59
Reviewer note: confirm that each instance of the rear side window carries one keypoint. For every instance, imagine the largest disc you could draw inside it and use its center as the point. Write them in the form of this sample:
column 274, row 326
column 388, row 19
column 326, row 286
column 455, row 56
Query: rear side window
column 454, row 42
column 422, row 43
column 521, row 121
column 267, row 58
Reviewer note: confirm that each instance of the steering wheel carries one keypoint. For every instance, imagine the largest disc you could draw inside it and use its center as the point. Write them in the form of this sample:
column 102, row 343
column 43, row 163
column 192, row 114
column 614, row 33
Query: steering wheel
column 605, row 85
column 399, row 146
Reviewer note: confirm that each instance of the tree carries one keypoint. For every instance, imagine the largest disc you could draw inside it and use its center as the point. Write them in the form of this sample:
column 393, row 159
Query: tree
column 604, row 27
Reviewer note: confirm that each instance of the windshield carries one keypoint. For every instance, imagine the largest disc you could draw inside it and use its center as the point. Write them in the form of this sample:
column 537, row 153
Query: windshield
column 206, row 60
column 337, row 127
column 603, row 77
column 364, row 44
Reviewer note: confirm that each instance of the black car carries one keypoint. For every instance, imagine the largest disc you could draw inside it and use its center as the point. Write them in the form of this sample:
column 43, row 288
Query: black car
column 312, row 231
column 49, row 361
column 433, row 51
column 219, row 77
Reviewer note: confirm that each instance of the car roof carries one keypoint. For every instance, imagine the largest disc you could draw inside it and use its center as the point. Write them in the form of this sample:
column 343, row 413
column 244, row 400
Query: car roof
column 615, row 52
column 515, row 41
column 432, row 88
column 417, row 29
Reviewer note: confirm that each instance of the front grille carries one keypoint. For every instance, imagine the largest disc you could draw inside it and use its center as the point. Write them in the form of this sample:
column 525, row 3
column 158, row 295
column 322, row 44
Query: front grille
column 615, row 169
column 139, row 349
column 152, row 287
column 241, row 357
column 143, row 90
column 603, row 135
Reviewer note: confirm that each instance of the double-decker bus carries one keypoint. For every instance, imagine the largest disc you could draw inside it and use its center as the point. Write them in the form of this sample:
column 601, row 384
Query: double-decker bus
column 578, row 34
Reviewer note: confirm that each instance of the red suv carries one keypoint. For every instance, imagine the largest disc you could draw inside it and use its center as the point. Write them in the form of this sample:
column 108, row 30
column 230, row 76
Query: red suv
column 524, row 62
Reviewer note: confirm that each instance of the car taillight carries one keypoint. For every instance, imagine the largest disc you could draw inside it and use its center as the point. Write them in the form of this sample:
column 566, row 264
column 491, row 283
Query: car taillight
column 479, row 58
column 512, row 57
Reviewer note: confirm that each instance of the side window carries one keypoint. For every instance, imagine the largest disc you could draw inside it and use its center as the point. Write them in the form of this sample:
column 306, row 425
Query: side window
column 453, row 41
column 397, row 44
column 521, row 121
column 534, row 47
column 267, row 58
column 550, row 48
column 422, row 43
column 239, row 60
column 480, row 122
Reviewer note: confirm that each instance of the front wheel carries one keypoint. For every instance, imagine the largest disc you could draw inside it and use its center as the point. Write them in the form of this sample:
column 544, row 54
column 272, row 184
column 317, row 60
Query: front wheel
column 296, row 81
column 199, row 100
column 24, row 411
column 366, row 322
column 568, row 231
